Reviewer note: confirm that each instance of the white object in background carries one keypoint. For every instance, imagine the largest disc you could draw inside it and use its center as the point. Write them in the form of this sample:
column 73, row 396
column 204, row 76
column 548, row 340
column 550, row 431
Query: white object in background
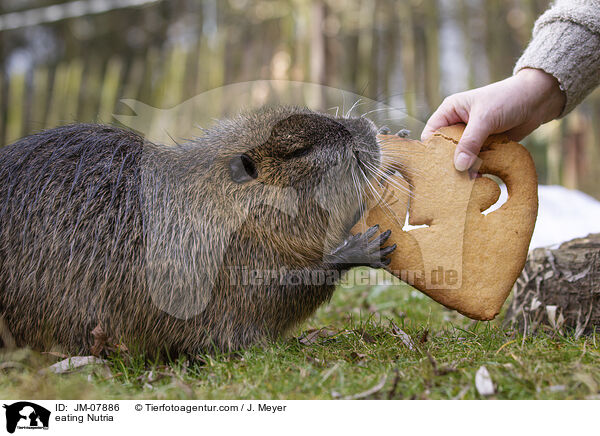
column 564, row 214
column 483, row 382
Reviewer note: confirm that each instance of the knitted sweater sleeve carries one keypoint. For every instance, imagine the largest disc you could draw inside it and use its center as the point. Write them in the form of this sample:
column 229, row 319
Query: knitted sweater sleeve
column 566, row 44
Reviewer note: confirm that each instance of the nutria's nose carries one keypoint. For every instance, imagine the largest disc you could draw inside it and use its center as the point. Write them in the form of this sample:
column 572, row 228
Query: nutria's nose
column 360, row 128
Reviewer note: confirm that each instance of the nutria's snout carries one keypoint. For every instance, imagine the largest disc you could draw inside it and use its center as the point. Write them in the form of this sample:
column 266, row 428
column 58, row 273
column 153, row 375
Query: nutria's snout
column 359, row 133
column 363, row 141
column 306, row 143
column 361, row 129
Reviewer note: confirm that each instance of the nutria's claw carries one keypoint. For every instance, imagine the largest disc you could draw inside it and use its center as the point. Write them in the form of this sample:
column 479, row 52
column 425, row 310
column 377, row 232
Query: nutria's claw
column 387, row 251
column 370, row 232
column 384, row 237
column 363, row 249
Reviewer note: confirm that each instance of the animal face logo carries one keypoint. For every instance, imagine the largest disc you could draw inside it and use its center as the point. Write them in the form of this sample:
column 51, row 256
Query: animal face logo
column 26, row 415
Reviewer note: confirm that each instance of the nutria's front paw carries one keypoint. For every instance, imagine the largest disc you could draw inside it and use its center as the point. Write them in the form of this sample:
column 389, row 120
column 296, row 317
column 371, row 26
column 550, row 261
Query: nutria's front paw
column 364, row 250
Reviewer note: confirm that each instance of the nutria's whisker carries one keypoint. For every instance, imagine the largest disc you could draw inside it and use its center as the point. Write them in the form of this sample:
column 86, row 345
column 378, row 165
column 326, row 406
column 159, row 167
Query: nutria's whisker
column 389, row 212
column 389, row 179
column 353, row 106
column 394, row 153
column 386, row 141
column 337, row 110
column 404, row 171
column 381, row 199
column 373, row 111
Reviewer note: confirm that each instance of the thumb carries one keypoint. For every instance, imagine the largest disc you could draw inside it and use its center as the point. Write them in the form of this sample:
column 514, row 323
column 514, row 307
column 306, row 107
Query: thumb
column 470, row 143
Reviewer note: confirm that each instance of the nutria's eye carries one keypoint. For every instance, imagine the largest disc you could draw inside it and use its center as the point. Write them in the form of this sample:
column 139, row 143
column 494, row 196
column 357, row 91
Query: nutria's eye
column 242, row 169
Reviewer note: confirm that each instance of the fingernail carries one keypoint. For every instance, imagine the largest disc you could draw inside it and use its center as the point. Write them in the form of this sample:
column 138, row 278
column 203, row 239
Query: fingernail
column 463, row 161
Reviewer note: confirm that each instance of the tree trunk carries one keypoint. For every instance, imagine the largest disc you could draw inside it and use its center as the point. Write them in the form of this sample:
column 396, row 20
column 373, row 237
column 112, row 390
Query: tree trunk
column 559, row 288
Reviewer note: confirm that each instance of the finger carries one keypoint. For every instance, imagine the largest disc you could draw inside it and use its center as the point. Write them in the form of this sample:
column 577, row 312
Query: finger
column 446, row 114
column 442, row 117
column 470, row 143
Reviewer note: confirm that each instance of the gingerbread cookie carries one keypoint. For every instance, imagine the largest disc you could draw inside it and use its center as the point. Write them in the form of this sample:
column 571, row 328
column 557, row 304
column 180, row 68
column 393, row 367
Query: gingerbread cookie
column 458, row 256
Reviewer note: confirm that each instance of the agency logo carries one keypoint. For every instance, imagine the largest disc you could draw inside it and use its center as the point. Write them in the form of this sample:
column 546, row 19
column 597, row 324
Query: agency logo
column 26, row 415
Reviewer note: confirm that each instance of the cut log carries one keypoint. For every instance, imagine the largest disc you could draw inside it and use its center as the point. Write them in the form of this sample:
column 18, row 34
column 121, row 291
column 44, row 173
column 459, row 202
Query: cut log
column 559, row 288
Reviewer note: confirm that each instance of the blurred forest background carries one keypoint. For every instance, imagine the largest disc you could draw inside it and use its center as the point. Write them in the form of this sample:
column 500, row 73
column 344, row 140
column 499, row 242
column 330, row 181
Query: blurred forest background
column 66, row 61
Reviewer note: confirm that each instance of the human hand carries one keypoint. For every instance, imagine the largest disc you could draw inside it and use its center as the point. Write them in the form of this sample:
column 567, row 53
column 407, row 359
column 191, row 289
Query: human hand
column 515, row 106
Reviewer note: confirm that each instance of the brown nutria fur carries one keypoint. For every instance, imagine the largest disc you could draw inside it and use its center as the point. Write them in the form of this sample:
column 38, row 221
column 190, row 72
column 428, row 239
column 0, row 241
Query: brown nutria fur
column 159, row 245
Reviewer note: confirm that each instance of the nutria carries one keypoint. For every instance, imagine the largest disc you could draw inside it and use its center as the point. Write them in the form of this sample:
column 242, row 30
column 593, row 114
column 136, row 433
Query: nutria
column 160, row 245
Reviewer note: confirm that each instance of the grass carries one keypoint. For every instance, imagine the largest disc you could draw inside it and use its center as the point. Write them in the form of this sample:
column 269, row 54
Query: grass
column 386, row 341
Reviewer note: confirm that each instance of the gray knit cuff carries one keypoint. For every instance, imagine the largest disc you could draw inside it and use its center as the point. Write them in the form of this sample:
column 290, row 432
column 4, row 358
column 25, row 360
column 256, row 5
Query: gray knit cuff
column 569, row 52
